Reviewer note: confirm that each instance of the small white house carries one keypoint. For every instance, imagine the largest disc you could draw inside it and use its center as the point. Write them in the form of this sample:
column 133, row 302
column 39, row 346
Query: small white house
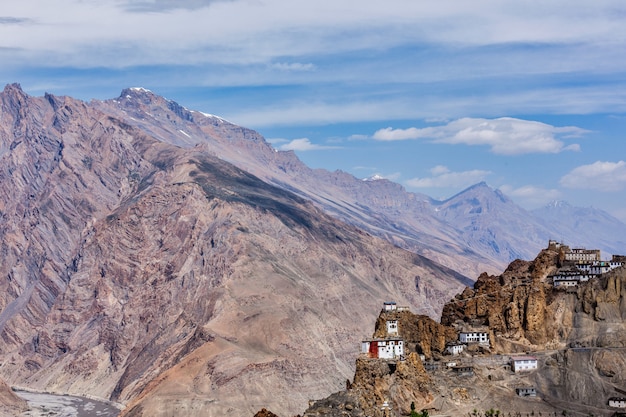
column 389, row 306
column 455, row 348
column 391, row 348
column 526, row 391
column 474, row 337
column 617, row 402
column 392, row 327
column 523, row 363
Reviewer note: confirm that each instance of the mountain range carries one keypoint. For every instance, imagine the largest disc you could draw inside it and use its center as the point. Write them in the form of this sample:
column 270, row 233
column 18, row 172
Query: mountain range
column 174, row 262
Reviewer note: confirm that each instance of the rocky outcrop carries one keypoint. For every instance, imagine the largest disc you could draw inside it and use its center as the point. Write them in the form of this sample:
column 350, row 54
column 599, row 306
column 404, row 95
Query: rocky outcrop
column 265, row 413
column 400, row 383
column 578, row 337
column 10, row 403
column 421, row 334
column 517, row 306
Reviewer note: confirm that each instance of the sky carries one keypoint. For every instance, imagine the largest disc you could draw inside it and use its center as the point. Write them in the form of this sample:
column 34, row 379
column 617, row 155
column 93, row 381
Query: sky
column 529, row 97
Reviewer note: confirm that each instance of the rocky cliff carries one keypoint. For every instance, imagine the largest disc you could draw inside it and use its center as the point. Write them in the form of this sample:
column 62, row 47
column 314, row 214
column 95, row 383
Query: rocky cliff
column 525, row 312
column 421, row 334
column 577, row 335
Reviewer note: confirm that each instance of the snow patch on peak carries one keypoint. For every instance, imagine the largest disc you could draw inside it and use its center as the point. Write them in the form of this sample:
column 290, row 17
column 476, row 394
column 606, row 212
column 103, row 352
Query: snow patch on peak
column 374, row 177
column 211, row 116
column 140, row 90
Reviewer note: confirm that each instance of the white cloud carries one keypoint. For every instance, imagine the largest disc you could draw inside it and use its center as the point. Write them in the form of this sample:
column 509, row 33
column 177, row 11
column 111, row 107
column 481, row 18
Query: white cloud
column 165, row 5
column 358, row 137
column 601, row 176
column 304, row 144
column 265, row 30
column 443, row 177
column 389, row 133
column 505, row 136
column 293, row 66
column 530, row 196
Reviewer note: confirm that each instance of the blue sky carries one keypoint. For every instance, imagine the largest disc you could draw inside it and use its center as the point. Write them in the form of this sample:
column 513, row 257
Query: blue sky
column 527, row 96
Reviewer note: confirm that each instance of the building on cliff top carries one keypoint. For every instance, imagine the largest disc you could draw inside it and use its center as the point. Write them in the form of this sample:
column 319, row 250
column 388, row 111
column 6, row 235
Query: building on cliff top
column 390, row 348
column 392, row 327
column 583, row 255
column 389, row 306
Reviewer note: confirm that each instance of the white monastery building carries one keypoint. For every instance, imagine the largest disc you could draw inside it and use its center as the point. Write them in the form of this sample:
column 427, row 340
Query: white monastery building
column 455, row 348
column 582, row 255
column 474, row 337
column 523, row 363
column 392, row 327
column 391, row 348
column 617, row 402
column 390, row 306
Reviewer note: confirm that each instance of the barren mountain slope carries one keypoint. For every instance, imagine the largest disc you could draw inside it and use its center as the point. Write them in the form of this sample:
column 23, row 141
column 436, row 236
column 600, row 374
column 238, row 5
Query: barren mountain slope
column 171, row 280
column 477, row 230
column 381, row 207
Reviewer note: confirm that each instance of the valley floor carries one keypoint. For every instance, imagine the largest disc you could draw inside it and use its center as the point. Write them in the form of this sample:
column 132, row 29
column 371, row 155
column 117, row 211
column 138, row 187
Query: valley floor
column 51, row 405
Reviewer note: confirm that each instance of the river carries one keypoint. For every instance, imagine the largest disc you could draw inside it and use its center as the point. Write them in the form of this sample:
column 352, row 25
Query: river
column 52, row 405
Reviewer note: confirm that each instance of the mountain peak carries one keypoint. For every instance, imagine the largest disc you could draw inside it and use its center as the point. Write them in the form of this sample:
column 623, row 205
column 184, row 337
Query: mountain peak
column 480, row 190
column 13, row 87
column 137, row 92
column 558, row 204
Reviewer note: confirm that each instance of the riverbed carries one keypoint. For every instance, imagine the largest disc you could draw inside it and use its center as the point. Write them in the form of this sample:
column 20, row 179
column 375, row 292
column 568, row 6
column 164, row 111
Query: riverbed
column 51, row 405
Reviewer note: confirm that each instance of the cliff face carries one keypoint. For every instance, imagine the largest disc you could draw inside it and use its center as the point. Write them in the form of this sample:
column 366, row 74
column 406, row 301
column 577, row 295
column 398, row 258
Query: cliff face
column 524, row 312
column 517, row 305
column 421, row 334
column 165, row 278
column 577, row 335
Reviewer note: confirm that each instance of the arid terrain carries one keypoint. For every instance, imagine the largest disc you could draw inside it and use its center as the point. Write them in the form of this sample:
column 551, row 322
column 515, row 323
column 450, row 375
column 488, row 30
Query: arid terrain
column 175, row 263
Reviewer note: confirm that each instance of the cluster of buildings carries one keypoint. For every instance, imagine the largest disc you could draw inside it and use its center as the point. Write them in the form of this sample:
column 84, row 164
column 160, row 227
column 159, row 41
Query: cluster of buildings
column 580, row 265
column 575, row 266
column 392, row 347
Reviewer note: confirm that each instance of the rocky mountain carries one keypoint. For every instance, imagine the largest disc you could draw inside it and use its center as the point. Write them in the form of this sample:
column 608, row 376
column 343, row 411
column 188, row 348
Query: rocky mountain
column 576, row 335
column 584, row 226
column 176, row 263
column 477, row 230
column 492, row 224
column 141, row 268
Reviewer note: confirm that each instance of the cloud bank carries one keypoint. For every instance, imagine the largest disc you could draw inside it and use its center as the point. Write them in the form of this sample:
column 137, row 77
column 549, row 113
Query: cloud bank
column 504, row 136
column 599, row 176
